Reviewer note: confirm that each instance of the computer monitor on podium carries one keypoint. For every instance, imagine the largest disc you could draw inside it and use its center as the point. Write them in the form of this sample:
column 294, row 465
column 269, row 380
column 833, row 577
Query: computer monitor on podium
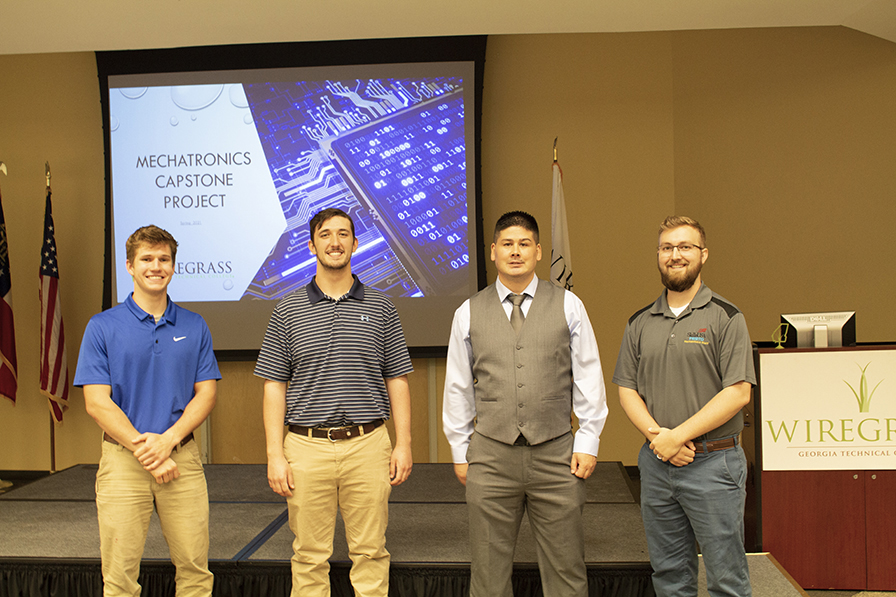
column 820, row 330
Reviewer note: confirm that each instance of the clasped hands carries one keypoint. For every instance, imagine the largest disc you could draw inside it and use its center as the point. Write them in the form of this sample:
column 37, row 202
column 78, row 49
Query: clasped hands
column 668, row 447
column 154, row 453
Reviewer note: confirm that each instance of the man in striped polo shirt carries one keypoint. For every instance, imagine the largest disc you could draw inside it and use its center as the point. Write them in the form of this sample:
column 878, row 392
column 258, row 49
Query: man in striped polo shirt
column 335, row 365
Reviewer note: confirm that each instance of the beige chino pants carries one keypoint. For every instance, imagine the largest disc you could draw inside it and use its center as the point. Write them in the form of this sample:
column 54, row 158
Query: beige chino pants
column 353, row 476
column 125, row 497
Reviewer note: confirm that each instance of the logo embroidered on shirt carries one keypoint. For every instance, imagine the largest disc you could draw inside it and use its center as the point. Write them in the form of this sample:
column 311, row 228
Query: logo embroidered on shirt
column 176, row 339
column 698, row 337
column 365, row 318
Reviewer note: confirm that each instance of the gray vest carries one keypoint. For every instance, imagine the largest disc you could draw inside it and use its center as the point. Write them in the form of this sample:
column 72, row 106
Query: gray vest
column 522, row 385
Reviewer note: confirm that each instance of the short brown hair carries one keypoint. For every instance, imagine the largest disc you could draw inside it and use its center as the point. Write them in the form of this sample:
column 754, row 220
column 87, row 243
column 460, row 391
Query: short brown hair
column 516, row 218
column 673, row 222
column 324, row 215
column 152, row 236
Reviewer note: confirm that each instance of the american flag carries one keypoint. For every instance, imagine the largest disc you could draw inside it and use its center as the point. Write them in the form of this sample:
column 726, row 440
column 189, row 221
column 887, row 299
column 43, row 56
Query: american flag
column 54, row 382
column 8, row 364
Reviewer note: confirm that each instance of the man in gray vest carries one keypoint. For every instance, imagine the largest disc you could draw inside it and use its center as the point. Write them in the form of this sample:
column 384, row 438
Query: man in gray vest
column 521, row 359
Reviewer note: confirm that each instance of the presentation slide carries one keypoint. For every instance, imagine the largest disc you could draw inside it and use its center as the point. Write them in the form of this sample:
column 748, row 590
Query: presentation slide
column 236, row 170
column 235, row 163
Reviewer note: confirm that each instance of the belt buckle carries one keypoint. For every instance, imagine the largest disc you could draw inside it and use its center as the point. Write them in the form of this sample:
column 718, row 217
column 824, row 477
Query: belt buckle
column 332, row 429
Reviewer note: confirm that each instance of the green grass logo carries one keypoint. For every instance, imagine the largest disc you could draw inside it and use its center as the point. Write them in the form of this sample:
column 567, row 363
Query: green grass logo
column 862, row 396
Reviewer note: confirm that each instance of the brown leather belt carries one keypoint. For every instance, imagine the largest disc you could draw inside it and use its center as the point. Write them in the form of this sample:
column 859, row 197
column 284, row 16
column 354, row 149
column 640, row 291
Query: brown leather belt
column 183, row 442
column 335, row 433
column 714, row 445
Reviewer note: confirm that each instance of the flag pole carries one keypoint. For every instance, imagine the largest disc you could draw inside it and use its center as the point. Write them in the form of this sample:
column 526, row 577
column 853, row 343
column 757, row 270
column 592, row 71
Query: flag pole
column 561, row 260
column 50, row 414
column 4, row 484
column 54, row 379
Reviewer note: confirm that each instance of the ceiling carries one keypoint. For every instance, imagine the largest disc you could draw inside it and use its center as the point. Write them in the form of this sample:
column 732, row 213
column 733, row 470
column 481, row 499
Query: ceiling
column 41, row 26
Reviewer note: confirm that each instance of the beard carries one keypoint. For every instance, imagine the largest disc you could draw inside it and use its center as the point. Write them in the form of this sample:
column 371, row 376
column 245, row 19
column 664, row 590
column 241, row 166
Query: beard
column 679, row 282
column 339, row 265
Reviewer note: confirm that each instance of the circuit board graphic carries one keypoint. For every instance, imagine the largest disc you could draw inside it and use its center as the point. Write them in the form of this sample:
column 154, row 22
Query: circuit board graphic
column 390, row 152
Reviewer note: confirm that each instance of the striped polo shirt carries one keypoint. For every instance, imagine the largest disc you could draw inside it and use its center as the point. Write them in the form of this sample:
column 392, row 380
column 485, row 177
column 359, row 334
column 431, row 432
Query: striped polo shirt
column 334, row 354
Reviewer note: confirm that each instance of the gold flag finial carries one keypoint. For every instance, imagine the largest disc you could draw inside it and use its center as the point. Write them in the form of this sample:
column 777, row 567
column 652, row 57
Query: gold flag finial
column 555, row 148
column 48, row 174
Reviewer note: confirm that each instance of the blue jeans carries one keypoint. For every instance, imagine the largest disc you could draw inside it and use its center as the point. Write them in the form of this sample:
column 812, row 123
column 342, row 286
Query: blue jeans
column 702, row 502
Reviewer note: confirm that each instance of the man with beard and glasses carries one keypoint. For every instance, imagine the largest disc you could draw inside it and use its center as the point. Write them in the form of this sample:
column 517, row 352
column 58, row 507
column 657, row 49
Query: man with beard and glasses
column 685, row 372
column 336, row 366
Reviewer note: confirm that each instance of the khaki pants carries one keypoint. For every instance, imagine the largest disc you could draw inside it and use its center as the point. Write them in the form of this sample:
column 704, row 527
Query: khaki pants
column 353, row 476
column 125, row 495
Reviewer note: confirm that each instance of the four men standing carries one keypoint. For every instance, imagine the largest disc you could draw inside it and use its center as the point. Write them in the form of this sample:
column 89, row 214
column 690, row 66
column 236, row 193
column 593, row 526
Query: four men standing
column 522, row 359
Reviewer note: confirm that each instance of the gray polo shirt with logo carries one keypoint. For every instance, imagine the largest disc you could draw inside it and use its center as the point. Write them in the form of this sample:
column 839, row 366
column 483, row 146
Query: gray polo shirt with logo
column 677, row 364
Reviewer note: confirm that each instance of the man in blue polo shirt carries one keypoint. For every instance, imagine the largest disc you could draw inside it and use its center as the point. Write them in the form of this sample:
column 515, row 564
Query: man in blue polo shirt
column 335, row 366
column 149, row 376
column 685, row 371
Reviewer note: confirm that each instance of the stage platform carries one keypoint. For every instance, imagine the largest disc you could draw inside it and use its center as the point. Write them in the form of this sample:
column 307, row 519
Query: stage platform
column 49, row 538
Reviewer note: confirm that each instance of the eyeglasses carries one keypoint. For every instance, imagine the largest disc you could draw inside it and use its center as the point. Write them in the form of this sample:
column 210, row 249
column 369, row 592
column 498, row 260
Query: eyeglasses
column 682, row 248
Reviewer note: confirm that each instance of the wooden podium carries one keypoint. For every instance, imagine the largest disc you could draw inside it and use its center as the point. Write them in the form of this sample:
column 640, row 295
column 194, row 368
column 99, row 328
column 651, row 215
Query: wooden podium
column 825, row 426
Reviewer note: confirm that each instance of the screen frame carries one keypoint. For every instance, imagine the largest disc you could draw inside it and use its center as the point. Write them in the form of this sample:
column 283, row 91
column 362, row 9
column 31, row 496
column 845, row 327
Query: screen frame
column 841, row 328
column 291, row 55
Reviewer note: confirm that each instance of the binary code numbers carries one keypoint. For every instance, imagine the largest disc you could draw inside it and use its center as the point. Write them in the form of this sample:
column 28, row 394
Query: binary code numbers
column 391, row 153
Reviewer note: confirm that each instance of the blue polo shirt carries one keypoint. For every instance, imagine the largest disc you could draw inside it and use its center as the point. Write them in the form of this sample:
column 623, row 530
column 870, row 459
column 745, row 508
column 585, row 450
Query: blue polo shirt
column 151, row 366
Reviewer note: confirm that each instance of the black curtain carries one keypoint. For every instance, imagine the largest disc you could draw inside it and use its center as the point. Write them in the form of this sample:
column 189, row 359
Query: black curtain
column 34, row 578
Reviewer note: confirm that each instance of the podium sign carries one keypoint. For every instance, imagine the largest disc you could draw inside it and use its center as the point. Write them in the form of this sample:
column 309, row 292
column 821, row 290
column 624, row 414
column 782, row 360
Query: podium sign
column 829, row 409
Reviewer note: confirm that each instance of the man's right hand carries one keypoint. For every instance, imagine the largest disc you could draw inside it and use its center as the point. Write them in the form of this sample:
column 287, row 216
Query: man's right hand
column 461, row 471
column 685, row 454
column 152, row 449
column 280, row 476
column 166, row 471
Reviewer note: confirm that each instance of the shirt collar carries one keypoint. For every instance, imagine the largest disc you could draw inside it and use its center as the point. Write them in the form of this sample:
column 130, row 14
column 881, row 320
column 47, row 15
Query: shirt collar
column 170, row 315
column 701, row 299
column 315, row 294
column 503, row 291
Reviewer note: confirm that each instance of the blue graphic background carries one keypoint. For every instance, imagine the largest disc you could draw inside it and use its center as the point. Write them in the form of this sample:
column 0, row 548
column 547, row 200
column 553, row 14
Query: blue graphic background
column 390, row 152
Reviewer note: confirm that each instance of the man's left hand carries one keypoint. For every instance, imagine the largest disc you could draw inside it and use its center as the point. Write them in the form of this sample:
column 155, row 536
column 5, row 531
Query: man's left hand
column 153, row 450
column 582, row 465
column 400, row 465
